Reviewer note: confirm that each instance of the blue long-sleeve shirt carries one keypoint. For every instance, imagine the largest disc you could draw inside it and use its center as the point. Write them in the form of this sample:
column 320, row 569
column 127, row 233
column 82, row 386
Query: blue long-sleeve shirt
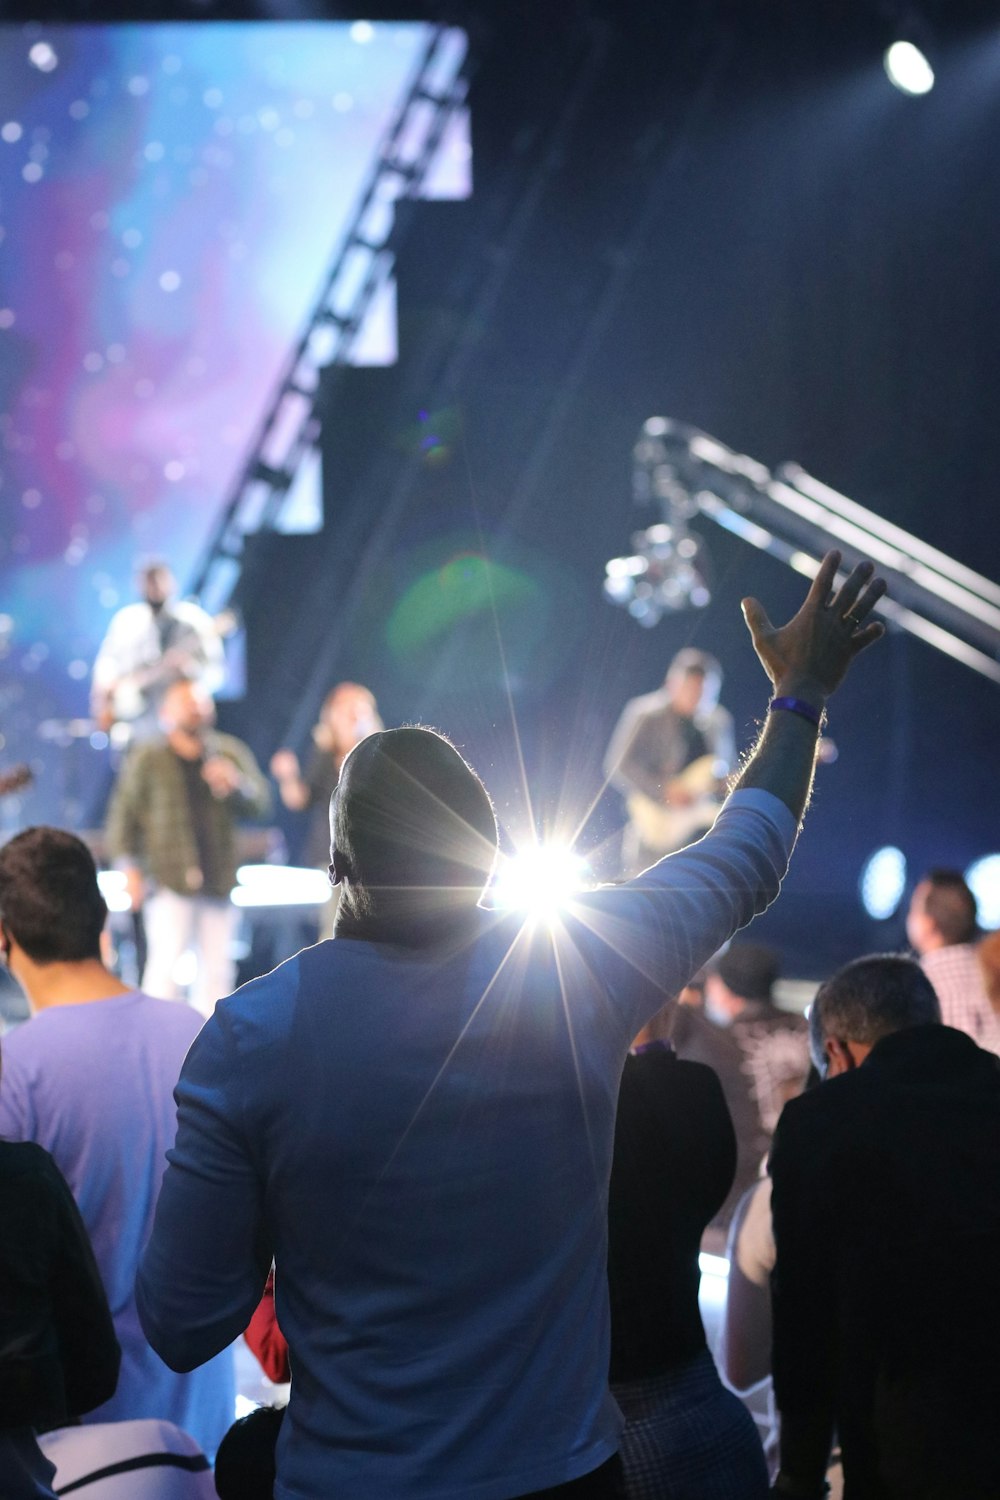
column 423, row 1143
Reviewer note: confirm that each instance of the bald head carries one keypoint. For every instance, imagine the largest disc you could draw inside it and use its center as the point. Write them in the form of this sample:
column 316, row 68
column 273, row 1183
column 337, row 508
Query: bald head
column 413, row 830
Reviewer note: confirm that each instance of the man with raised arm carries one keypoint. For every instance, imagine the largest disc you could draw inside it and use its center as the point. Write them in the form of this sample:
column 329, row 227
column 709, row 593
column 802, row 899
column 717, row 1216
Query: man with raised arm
column 416, row 1119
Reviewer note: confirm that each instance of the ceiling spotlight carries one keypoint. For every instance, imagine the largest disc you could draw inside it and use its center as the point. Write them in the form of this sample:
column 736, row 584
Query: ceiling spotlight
column 882, row 882
column 908, row 69
column 983, row 880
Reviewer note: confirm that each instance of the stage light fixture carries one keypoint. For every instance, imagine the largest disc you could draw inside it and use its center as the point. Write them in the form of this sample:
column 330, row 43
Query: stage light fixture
column 908, row 69
column 983, row 879
column 539, row 881
column 666, row 573
column 882, row 882
column 669, row 568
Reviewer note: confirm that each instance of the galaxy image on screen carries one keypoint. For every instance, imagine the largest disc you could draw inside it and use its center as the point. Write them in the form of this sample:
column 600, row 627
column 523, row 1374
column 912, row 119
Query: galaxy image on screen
column 170, row 196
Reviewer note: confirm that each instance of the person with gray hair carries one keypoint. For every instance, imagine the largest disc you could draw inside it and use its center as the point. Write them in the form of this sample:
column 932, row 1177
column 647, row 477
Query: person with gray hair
column 886, row 1214
column 866, row 1001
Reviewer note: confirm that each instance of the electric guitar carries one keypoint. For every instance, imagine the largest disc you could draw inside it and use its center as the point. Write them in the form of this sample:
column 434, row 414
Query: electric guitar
column 133, row 694
column 664, row 827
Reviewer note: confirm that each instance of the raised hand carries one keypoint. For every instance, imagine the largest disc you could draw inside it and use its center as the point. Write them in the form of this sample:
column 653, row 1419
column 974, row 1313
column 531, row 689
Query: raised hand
column 285, row 765
column 810, row 655
column 222, row 775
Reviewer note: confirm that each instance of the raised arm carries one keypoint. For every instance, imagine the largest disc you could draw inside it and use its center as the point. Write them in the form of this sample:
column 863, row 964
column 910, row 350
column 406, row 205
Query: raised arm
column 807, row 660
column 203, row 1271
column 694, row 900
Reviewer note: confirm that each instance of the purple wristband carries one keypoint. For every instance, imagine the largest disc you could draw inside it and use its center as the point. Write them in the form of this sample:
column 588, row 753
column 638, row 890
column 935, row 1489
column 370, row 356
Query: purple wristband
column 798, row 706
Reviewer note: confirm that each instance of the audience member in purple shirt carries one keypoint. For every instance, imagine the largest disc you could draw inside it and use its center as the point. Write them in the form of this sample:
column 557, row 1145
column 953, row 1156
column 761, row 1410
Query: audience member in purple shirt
column 90, row 1077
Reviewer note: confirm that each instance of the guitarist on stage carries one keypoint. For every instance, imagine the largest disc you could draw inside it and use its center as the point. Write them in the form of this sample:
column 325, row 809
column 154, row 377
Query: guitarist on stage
column 669, row 756
column 147, row 647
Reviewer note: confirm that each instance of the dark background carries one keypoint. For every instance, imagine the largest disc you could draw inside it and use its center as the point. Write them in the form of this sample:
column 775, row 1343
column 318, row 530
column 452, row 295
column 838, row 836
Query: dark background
column 720, row 213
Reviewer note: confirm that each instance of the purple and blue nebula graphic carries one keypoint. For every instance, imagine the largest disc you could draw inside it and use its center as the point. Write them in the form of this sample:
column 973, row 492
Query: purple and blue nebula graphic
column 170, row 196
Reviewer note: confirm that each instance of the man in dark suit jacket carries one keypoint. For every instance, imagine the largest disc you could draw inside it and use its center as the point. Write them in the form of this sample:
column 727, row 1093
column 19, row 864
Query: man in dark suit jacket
column 887, row 1222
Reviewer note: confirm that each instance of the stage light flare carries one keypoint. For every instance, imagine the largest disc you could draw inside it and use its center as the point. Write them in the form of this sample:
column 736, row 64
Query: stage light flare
column 280, row 885
column 908, row 69
column 113, row 888
column 983, row 880
column 882, row 882
column 43, row 57
column 539, row 881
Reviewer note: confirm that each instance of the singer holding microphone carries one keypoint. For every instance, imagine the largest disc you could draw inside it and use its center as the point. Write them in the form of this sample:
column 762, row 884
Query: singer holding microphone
column 171, row 828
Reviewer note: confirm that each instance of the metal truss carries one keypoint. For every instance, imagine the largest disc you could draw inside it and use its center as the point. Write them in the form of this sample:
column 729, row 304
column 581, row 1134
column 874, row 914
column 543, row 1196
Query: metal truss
column 361, row 267
column 798, row 518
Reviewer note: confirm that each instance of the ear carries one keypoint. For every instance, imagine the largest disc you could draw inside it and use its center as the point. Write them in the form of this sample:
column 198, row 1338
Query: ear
column 339, row 867
column 838, row 1057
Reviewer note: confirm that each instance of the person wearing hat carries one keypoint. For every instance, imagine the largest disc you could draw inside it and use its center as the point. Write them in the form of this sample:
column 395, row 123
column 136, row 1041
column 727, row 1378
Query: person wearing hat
column 669, row 756
column 773, row 1044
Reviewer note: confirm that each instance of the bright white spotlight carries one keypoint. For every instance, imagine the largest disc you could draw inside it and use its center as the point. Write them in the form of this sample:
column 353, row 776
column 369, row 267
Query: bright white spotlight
column 983, row 879
column 113, row 888
column 280, row 885
column 907, row 68
column 883, row 881
column 539, row 881
column 43, row 56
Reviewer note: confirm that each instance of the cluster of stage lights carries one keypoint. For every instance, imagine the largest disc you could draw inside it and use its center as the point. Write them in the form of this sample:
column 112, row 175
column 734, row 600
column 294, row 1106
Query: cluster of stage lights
column 884, row 879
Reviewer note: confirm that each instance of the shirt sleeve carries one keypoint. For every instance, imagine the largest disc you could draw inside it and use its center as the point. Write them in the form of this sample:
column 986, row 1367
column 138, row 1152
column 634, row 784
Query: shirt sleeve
column 650, row 935
column 254, row 797
column 17, row 1112
column 203, row 1271
column 125, row 820
column 745, row 1344
column 108, row 662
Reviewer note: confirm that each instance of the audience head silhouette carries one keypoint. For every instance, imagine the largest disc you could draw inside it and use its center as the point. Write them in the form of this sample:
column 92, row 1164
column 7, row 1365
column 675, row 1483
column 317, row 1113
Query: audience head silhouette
column 414, row 837
column 51, row 906
column 864, row 1002
column 244, row 1464
column 942, row 912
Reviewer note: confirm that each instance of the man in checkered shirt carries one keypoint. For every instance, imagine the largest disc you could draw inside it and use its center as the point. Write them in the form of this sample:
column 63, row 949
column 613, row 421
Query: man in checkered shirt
column 941, row 926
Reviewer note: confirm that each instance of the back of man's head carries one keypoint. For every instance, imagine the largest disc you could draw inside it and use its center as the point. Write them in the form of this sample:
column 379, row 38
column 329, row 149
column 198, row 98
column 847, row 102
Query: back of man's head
column 950, row 905
column 413, row 827
column 245, row 1463
column 50, row 902
column 869, row 999
column 749, row 970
